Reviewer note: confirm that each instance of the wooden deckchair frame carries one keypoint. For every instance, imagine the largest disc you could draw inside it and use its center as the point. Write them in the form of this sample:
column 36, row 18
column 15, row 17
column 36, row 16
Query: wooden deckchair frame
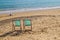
column 24, row 24
column 21, row 27
column 13, row 26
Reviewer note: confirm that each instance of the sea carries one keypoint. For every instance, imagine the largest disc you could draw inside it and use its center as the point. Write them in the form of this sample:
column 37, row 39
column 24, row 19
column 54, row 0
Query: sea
column 27, row 5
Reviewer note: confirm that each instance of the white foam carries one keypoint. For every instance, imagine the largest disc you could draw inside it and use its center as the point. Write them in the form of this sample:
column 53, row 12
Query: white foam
column 27, row 9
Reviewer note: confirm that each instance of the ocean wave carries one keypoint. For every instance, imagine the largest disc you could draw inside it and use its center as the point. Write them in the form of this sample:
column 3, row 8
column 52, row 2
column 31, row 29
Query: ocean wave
column 27, row 9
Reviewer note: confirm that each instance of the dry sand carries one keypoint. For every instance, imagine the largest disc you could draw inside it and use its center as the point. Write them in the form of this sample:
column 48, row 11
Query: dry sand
column 4, row 15
column 44, row 33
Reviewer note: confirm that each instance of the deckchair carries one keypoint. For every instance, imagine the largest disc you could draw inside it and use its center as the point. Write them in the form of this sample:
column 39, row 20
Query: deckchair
column 16, row 23
column 27, row 22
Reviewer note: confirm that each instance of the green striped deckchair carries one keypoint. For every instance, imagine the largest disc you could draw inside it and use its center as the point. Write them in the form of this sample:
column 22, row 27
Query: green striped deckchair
column 17, row 23
column 27, row 22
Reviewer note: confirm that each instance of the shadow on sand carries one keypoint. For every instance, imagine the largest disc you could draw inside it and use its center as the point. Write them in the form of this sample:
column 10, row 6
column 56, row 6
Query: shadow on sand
column 12, row 33
column 15, row 33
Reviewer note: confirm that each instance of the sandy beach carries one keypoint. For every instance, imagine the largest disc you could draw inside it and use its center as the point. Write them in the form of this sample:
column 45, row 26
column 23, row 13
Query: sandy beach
column 45, row 23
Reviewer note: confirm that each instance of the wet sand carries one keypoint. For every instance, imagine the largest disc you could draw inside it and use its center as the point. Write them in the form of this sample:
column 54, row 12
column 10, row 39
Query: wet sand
column 31, row 13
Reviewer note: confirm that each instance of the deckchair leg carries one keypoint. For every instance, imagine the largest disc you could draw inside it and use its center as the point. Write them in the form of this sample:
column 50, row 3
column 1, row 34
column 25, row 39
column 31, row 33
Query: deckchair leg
column 31, row 25
column 20, row 28
column 13, row 27
column 31, row 28
column 23, row 28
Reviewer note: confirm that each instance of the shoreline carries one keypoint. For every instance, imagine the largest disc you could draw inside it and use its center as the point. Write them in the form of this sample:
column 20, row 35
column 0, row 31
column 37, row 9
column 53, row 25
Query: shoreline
column 28, row 9
column 15, row 14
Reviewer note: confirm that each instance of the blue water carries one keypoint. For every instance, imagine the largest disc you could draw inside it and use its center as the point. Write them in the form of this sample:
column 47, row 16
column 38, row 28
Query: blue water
column 21, row 4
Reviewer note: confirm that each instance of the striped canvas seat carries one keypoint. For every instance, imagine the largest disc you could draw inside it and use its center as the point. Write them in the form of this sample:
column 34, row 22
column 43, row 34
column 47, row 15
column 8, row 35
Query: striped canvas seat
column 17, row 22
column 27, row 22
